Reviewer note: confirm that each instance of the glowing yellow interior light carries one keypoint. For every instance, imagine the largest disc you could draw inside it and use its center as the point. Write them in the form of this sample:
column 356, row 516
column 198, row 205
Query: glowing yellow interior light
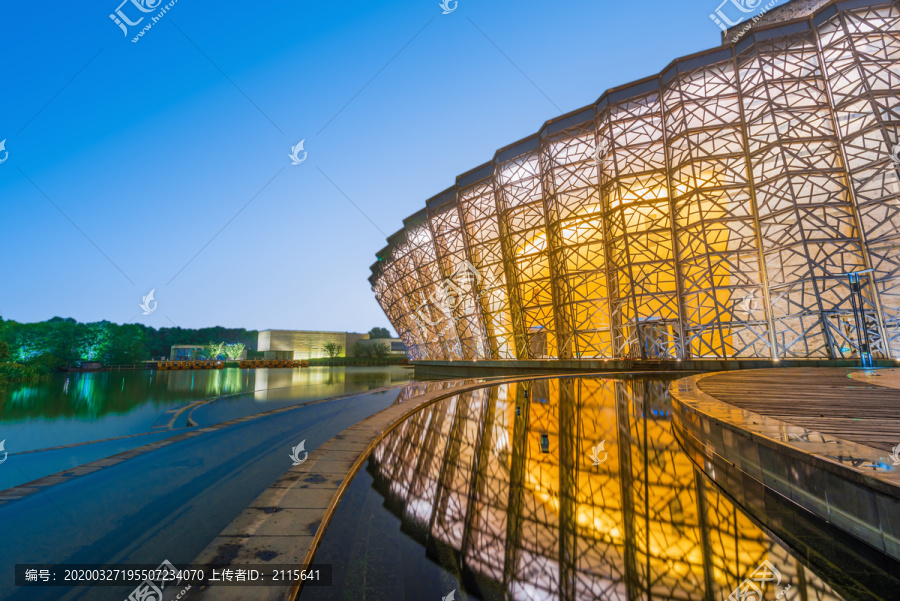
column 535, row 244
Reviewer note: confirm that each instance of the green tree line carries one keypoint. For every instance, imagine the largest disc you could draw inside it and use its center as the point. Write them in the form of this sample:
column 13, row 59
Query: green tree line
column 60, row 342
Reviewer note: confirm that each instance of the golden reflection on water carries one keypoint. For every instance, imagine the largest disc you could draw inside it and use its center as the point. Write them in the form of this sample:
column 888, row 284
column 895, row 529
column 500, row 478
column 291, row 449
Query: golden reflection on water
column 469, row 473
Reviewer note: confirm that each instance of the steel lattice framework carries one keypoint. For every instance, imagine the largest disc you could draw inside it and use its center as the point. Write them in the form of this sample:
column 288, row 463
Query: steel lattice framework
column 713, row 210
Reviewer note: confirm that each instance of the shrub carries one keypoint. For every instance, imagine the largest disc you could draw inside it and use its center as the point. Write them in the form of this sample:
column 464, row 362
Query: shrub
column 16, row 372
column 332, row 349
column 361, row 350
column 45, row 363
column 381, row 350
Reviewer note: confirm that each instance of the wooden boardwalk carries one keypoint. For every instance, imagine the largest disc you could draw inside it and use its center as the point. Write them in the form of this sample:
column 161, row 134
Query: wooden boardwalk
column 825, row 399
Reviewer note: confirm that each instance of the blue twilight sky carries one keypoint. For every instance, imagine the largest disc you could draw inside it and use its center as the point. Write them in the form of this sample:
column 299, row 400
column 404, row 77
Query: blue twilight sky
column 163, row 164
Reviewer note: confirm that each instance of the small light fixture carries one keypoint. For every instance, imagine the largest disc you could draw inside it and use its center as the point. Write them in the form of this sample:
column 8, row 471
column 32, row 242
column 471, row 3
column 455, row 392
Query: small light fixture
column 545, row 443
column 518, row 411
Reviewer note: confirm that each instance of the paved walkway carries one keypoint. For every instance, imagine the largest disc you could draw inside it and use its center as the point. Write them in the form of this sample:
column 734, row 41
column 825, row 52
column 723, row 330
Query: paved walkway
column 285, row 524
column 842, row 402
column 161, row 502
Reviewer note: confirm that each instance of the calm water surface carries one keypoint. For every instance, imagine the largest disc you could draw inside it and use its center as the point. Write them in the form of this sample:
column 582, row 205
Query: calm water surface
column 67, row 409
column 571, row 488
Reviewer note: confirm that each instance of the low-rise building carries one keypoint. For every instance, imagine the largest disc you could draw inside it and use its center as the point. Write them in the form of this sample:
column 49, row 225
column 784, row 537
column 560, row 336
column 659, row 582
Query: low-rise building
column 185, row 352
column 304, row 344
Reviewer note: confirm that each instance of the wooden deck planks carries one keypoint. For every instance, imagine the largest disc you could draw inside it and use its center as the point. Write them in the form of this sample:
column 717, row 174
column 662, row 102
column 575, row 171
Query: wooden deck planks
column 823, row 399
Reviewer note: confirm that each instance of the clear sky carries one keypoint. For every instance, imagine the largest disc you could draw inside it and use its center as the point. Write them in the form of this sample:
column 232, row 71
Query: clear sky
column 163, row 163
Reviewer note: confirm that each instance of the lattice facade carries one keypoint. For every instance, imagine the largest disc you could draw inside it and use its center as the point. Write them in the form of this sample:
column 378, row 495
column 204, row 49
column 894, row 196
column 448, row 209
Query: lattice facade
column 711, row 211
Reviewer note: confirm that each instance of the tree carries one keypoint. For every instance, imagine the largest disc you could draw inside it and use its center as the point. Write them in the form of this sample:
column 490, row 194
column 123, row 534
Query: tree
column 64, row 341
column 379, row 333
column 332, row 349
column 234, row 351
column 381, row 350
column 126, row 345
column 213, row 349
column 5, row 352
column 93, row 339
column 361, row 350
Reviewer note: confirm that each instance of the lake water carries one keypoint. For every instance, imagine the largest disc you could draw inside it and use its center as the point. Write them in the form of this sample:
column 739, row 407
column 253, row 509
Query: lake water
column 144, row 406
column 572, row 488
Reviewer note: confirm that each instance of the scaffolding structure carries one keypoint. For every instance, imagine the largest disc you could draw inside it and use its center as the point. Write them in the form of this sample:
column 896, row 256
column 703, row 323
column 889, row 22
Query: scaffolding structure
column 710, row 211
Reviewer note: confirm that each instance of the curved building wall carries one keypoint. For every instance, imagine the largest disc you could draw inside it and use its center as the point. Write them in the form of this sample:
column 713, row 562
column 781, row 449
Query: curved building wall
column 713, row 210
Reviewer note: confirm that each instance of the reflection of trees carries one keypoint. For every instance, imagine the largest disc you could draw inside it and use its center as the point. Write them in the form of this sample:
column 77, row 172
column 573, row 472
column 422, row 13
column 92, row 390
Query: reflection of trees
column 92, row 395
column 470, row 482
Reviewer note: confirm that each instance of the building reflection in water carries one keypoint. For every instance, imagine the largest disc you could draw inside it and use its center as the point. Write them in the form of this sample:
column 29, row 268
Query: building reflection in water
column 469, row 479
column 274, row 384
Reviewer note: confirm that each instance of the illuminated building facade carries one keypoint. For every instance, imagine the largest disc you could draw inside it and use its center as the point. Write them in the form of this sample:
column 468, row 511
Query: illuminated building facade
column 303, row 344
column 710, row 211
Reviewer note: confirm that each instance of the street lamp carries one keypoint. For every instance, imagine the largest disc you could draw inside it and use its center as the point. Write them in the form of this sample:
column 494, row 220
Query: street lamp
column 856, row 301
